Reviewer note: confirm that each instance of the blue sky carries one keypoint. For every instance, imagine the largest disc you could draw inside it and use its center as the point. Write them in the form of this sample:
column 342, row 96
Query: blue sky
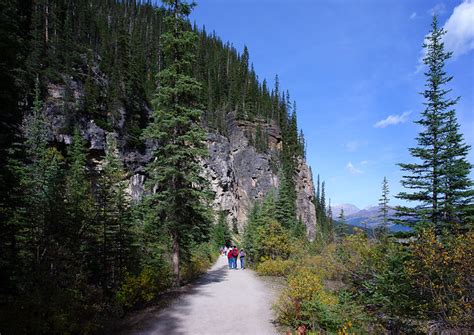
column 353, row 69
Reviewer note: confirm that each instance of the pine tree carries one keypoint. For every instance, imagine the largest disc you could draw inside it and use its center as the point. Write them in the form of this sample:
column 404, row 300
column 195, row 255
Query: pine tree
column 179, row 200
column 318, row 190
column 330, row 222
column 441, row 150
column 114, row 215
column 220, row 232
column 260, row 139
column 457, row 203
column 275, row 102
column 323, row 198
column 286, row 205
column 341, row 227
column 78, row 187
column 302, row 145
column 322, row 217
column 41, row 219
column 321, row 211
column 80, row 232
column 90, row 90
column 383, row 204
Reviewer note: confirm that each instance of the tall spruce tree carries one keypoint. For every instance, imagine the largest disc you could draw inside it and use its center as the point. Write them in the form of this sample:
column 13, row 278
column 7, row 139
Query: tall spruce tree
column 383, row 204
column 286, row 204
column 322, row 211
column 44, row 250
column 318, row 190
column 330, row 222
column 114, row 215
column 341, row 227
column 78, row 193
column 79, row 233
column 439, row 181
column 179, row 197
column 458, row 202
column 221, row 235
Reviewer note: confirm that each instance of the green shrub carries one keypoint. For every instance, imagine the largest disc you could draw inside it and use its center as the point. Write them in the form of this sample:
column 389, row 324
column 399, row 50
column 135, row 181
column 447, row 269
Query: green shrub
column 382, row 283
column 320, row 316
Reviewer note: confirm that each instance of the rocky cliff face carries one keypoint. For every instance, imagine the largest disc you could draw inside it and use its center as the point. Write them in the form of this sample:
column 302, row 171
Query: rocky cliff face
column 305, row 194
column 239, row 174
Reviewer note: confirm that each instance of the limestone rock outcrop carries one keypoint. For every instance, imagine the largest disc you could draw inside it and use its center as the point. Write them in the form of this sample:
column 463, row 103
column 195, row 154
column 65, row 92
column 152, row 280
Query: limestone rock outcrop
column 305, row 196
column 238, row 174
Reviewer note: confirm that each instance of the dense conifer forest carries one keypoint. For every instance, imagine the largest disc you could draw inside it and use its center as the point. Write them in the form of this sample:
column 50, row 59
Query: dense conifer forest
column 76, row 251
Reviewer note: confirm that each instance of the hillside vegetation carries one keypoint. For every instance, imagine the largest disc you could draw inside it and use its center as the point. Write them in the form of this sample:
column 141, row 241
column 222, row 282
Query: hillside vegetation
column 351, row 284
column 75, row 251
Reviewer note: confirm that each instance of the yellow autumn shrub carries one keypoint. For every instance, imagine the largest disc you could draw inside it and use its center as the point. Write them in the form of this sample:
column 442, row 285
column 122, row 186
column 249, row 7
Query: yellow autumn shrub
column 274, row 241
column 278, row 267
column 202, row 257
column 304, row 284
column 142, row 288
column 442, row 270
column 340, row 260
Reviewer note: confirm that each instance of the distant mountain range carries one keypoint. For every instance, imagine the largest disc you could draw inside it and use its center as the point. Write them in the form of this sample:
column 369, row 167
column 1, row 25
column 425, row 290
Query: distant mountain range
column 349, row 209
column 365, row 218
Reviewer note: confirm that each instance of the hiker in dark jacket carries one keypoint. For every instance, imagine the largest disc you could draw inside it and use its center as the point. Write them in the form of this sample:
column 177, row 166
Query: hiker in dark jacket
column 242, row 259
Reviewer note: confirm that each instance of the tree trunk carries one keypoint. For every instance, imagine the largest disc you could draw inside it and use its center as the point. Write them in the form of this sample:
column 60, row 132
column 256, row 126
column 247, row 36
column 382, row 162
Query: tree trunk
column 46, row 23
column 175, row 260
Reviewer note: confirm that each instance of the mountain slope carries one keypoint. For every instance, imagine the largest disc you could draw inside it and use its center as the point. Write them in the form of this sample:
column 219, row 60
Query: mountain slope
column 368, row 217
column 105, row 84
column 348, row 209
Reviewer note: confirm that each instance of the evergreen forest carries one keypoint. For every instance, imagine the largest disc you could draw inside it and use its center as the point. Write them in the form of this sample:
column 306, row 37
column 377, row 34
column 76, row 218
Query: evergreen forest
column 76, row 250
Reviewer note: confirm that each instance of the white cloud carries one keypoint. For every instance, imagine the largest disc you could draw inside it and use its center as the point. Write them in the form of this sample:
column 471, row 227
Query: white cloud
column 438, row 9
column 460, row 29
column 413, row 16
column 393, row 120
column 352, row 169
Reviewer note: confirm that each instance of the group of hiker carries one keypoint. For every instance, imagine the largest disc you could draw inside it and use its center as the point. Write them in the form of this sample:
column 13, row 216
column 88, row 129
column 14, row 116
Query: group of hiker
column 232, row 254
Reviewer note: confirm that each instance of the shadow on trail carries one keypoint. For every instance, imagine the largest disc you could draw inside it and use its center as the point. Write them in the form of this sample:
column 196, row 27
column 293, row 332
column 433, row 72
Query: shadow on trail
column 213, row 276
column 164, row 318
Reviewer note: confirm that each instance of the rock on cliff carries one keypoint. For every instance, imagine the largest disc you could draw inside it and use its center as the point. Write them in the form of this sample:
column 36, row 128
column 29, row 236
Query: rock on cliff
column 305, row 195
column 239, row 175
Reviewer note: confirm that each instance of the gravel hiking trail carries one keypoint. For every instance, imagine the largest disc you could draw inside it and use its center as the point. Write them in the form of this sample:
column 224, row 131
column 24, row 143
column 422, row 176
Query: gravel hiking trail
column 222, row 301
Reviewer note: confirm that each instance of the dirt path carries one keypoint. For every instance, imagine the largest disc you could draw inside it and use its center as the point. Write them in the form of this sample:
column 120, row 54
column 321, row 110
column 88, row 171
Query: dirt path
column 222, row 301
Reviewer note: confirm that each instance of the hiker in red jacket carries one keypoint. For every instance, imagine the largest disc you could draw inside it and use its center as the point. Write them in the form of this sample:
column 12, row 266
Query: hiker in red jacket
column 230, row 259
column 235, row 255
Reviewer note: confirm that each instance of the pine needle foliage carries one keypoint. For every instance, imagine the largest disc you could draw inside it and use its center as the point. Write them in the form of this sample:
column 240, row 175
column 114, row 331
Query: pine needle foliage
column 438, row 182
column 178, row 188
